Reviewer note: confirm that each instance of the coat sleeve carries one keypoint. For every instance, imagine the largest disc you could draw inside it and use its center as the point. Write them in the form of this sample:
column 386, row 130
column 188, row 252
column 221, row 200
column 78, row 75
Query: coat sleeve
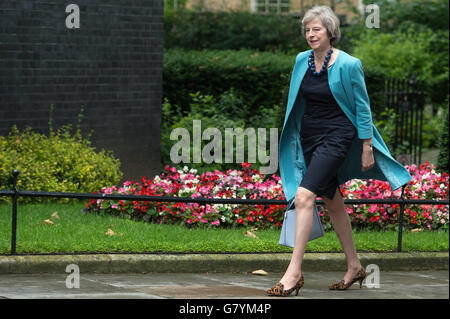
column 363, row 112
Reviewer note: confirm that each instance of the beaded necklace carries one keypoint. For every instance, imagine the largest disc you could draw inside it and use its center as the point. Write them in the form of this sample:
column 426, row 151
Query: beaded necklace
column 325, row 62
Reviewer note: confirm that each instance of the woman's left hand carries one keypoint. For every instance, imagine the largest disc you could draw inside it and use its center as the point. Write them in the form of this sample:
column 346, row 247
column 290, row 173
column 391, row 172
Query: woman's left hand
column 367, row 160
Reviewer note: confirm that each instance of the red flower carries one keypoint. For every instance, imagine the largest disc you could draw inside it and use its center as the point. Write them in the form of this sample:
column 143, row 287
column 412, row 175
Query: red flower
column 246, row 165
column 374, row 219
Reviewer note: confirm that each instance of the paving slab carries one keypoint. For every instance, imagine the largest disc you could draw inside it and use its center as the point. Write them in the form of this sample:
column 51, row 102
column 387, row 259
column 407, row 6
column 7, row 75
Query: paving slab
column 391, row 285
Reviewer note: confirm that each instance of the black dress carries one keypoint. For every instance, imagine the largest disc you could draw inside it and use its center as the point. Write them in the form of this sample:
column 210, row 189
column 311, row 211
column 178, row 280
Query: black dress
column 326, row 136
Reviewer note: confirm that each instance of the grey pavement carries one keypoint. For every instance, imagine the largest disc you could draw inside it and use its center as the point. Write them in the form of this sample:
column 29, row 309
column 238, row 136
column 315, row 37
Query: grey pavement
column 392, row 285
column 406, row 275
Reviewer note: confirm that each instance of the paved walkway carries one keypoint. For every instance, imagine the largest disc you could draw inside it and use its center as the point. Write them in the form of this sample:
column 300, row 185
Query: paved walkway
column 392, row 285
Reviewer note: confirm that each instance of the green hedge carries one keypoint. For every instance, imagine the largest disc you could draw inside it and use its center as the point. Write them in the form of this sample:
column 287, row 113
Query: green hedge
column 417, row 24
column 60, row 162
column 190, row 30
column 261, row 79
column 429, row 13
column 224, row 111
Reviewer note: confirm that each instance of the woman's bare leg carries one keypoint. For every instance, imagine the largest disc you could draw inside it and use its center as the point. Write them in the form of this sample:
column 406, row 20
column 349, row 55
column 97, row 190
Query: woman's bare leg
column 304, row 204
column 341, row 224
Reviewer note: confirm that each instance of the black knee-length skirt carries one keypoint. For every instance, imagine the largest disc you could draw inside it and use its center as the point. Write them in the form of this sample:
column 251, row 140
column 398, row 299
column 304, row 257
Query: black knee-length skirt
column 325, row 144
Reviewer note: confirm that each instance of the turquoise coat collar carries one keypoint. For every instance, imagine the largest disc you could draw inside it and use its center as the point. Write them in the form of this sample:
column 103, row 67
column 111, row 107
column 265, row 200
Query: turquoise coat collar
column 347, row 84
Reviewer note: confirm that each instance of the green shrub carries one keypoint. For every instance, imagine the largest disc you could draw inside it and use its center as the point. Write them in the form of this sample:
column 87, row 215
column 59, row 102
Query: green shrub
column 443, row 157
column 60, row 162
column 431, row 130
column 260, row 79
column 226, row 111
column 429, row 13
column 402, row 53
column 192, row 30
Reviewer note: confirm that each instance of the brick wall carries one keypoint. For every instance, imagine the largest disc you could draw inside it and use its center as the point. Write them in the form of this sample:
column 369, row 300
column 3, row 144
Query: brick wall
column 112, row 65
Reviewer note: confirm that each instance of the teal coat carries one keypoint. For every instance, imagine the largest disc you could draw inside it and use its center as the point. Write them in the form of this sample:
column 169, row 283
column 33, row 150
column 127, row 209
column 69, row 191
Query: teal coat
column 346, row 80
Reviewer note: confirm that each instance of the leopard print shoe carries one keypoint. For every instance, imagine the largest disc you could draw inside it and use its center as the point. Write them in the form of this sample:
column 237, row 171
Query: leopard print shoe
column 360, row 276
column 278, row 289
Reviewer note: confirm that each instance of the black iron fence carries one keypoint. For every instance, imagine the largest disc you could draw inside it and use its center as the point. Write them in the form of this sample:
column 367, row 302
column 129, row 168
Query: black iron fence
column 15, row 194
column 407, row 100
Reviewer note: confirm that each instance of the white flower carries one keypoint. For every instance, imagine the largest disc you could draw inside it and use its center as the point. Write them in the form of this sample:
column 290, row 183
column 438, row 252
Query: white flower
column 256, row 177
column 185, row 169
column 222, row 219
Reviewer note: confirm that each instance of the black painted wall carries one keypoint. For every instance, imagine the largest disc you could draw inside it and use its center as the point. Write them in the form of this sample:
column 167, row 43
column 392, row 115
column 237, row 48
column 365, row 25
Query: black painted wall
column 112, row 65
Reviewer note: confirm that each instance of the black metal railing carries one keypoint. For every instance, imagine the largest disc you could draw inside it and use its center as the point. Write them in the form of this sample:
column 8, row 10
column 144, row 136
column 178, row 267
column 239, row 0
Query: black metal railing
column 15, row 194
column 406, row 98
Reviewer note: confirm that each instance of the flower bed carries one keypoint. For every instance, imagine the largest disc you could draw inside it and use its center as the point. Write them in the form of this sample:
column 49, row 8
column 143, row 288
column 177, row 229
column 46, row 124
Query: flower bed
column 249, row 183
column 426, row 183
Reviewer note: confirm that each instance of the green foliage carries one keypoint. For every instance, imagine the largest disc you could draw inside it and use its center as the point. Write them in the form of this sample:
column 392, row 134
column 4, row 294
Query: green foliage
column 443, row 157
column 431, row 129
column 169, row 5
column 397, row 54
column 229, row 110
column 385, row 124
column 60, row 162
column 259, row 78
column 402, row 53
column 193, row 30
column 429, row 13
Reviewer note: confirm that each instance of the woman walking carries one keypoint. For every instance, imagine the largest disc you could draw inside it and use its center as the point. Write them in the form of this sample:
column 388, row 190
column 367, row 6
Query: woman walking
column 328, row 138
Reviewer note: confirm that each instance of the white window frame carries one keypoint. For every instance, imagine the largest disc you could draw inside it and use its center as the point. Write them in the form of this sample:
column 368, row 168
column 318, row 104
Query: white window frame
column 256, row 7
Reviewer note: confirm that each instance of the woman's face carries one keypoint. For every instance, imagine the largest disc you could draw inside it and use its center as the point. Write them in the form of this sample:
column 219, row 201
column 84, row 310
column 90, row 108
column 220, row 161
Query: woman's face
column 316, row 35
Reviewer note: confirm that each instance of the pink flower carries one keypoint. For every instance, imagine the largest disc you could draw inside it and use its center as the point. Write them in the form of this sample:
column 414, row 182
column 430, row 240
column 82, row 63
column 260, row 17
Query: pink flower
column 216, row 222
column 373, row 208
